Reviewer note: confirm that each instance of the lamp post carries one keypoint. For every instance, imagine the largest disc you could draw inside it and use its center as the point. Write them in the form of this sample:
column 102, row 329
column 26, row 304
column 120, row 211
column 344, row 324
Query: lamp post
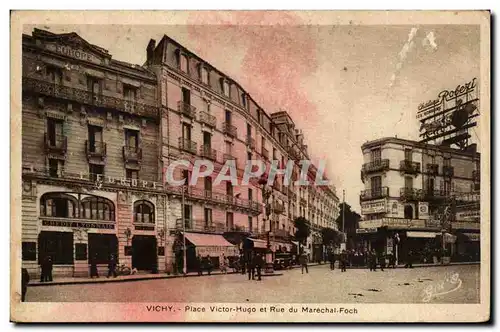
column 266, row 194
column 184, row 263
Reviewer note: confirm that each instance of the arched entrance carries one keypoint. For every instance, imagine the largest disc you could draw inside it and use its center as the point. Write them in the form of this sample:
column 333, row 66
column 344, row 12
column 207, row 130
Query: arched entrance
column 408, row 212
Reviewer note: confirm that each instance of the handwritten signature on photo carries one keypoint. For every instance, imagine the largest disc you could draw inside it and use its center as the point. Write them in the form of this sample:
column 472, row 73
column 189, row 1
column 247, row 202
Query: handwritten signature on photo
column 450, row 283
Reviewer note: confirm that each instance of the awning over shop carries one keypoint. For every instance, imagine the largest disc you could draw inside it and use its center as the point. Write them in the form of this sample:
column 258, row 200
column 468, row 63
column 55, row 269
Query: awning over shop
column 211, row 244
column 259, row 244
column 428, row 235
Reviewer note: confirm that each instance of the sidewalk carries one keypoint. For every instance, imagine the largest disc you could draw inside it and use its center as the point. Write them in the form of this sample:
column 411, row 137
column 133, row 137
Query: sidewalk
column 138, row 277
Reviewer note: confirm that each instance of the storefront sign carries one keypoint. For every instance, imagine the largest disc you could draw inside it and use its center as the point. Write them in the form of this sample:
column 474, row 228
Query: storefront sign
column 77, row 224
column 403, row 223
column 378, row 206
column 73, row 53
column 468, row 215
column 432, row 223
column 214, row 251
column 423, row 210
column 366, row 230
column 370, row 223
column 465, row 225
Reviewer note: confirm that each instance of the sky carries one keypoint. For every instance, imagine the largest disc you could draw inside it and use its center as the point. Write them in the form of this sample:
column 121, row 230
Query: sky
column 343, row 85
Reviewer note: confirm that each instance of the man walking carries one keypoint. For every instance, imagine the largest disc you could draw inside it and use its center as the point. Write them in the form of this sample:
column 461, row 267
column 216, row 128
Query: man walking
column 332, row 260
column 343, row 261
column 381, row 261
column 251, row 267
column 258, row 264
column 303, row 263
column 93, row 267
column 112, row 266
column 373, row 260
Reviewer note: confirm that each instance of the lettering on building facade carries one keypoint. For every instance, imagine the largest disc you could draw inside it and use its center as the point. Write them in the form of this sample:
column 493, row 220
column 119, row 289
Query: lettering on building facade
column 77, row 224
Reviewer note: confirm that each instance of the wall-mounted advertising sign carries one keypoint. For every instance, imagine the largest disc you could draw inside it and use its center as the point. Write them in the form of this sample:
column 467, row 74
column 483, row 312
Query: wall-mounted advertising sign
column 423, row 210
column 377, row 206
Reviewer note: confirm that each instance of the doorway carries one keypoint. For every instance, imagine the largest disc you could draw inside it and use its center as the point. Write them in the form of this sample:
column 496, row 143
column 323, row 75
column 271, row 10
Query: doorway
column 144, row 252
column 408, row 212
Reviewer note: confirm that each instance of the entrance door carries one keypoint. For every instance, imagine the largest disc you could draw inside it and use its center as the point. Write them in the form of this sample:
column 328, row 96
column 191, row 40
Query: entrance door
column 144, row 252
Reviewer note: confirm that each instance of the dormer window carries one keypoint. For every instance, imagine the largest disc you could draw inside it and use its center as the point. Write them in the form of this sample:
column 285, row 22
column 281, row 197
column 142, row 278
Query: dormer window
column 224, row 85
column 204, row 75
column 244, row 100
column 184, row 63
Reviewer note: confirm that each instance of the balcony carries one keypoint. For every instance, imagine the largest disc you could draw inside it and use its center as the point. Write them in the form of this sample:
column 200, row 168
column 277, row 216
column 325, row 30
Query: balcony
column 265, row 153
column 375, row 166
column 448, row 171
column 96, row 150
column 229, row 130
column 410, row 194
column 58, row 146
column 250, row 142
column 293, row 154
column 278, row 208
column 208, row 119
column 228, row 156
column 303, row 201
column 432, row 169
column 370, row 194
column 409, row 167
column 187, row 145
column 194, row 225
column 88, row 98
column 281, row 233
column 132, row 154
column 434, row 195
column 186, row 109
column 206, row 151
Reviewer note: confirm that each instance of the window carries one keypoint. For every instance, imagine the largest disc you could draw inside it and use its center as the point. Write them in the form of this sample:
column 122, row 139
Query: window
column 208, row 216
column 186, row 96
column 249, row 156
column 186, row 133
column 58, row 205
column 207, row 139
column 408, row 212
column 250, row 223
column 94, row 86
column 433, row 160
column 250, row 194
column 57, row 245
column 188, row 215
column 129, row 92
column 204, row 75
column 184, row 63
column 249, row 130
column 430, row 185
column 95, row 139
column 408, row 182
column 54, row 74
column 96, row 170
column 447, row 186
column 376, row 185
column 263, row 143
column 97, row 208
column 144, row 212
column 244, row 100
column 275, row 154
column 447, row 162
column 229, row 220
column 228, row 116
column 185, row 176
column 229, row 148
column 132, row 174
column 225, row 85
column 408, row 155
column 229, row 189
column 131, row 139
column 208, row 186
column 55, row 136
column 376, row 154
column 56, row 167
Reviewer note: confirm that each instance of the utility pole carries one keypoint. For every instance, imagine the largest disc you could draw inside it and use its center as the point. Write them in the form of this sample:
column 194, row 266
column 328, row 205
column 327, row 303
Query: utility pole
column 184, row 268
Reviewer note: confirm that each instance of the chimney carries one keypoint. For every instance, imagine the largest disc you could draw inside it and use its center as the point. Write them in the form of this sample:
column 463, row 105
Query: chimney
column 150, row 50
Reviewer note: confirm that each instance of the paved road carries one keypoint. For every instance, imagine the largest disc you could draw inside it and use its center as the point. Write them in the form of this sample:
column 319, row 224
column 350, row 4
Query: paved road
column 450, row 284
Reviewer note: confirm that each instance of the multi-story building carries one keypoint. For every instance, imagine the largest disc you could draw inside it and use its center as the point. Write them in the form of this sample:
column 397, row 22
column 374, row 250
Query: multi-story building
column 90, row 158
column 208, row 115
column 408, row 186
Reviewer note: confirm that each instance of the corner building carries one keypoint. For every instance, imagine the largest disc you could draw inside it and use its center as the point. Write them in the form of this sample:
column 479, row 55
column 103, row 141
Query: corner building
column 91, row 184
column 408, row 186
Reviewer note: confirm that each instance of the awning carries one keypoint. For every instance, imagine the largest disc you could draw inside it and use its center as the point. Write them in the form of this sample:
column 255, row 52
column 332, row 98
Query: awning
column 428, row 235
column 259, row 244
column 211, row 244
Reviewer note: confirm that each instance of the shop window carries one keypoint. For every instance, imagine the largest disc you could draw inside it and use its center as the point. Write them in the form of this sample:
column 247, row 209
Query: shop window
column 58, row 205
column 57, row 245
column 101, row 247
column 97, row 208
column 144, row 212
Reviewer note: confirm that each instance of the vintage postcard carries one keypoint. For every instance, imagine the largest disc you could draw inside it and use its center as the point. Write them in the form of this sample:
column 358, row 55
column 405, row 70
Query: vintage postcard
column 250, row 166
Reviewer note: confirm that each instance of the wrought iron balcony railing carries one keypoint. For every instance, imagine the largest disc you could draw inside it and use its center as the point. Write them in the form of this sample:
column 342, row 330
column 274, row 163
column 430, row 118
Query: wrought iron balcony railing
column 187, row 145
column 132, row 154
column 278, row 208
column 433, row 194
column 376, row 166
column 448, row 171
column 229, row 129
column 433, row 169
column 195, row 225
column 95, row 149
column 250, row 142
column 186, row 109
column 208, row 119
column 56, row 146
column 87, row 97
column 208, row 152
column 374, row 193
column 409, row 167
column 410, row 194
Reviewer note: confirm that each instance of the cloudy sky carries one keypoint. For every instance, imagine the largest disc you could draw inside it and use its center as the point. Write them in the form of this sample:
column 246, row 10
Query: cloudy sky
column 342, row 84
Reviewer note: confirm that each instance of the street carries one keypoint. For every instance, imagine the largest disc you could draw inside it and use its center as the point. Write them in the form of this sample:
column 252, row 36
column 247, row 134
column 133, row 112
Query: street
column 450, row 284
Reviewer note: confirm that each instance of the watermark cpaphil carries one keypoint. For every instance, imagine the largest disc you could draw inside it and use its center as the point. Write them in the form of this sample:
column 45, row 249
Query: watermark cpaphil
column 254, row 169
column 450, row 283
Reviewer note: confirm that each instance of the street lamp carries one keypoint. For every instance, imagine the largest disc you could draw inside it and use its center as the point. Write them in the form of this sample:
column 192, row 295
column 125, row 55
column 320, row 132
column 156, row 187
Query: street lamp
column 266, row 194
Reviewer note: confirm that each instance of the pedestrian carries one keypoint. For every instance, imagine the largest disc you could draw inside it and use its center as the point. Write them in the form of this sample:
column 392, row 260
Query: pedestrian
column 112, row 266
column 93, row 267
column 209, row 265
column 43, row 268
column 343, row 261
column 48, row 271
column 259, row 262
column 25, row 279
column 303, row 263
column 372, row 261
column 381, row 260
column 251, row 267
column 409, row 260
column 199, row 265
column 392, row 261
column 332, row 260
column 223, row 264
column 242, row 263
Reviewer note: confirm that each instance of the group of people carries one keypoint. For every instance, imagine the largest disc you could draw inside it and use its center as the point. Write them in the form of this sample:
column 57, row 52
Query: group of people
column 357, row 258
column 204, row 263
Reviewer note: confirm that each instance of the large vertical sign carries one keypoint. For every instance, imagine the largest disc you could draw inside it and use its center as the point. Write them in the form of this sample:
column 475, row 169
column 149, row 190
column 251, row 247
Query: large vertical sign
column 447, row 119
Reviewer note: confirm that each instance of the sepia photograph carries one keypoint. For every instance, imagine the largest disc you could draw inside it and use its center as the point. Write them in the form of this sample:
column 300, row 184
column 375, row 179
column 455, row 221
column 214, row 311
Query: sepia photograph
column 250, row 166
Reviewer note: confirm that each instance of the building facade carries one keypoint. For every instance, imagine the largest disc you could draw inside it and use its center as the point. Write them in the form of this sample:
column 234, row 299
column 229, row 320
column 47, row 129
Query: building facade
column 409, row 186
column 90, row 158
